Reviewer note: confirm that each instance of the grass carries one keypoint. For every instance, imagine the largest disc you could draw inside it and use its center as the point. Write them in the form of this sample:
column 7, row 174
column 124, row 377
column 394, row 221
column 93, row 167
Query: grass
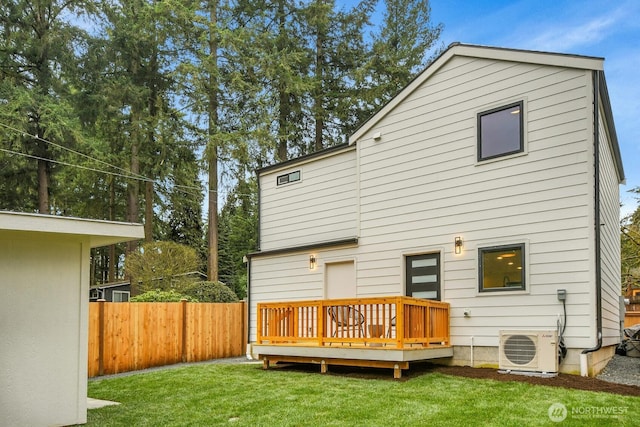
column 245, row 395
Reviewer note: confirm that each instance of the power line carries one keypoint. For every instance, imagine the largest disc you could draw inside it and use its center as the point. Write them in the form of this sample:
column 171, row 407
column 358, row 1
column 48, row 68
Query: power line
column 127, row 174
column 69, row 150
column 183, row 188
column 31, row 156
column 142, row 178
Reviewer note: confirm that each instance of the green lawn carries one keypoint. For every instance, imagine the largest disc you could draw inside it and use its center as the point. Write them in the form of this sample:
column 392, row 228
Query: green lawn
column 245, row 395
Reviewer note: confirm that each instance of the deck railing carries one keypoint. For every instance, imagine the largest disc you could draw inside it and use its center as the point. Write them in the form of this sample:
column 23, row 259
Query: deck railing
column 397, row 322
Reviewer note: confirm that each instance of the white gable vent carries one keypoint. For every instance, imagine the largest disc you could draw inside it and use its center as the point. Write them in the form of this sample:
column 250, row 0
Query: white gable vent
column 535, row 351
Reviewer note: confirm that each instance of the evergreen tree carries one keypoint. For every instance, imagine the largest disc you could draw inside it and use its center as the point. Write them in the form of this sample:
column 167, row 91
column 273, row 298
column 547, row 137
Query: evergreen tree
column 340, row 53
column 400, row 49
column 184, row 205
column 238, row 234
column 630, row 249
column 37, row 53
column 163, row 90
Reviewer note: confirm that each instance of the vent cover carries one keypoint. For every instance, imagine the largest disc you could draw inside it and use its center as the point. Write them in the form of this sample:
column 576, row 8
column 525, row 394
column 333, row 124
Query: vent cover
column 529, row 351
column 519, row 349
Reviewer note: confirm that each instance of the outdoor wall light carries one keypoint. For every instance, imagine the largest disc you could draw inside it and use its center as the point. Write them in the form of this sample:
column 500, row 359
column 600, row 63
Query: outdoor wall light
column 312, row 262
column 458, row 245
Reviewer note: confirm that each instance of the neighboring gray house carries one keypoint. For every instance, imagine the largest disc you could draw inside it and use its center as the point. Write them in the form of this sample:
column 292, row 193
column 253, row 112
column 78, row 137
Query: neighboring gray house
column 490, row 182
column 111, row 292
column 121, row 291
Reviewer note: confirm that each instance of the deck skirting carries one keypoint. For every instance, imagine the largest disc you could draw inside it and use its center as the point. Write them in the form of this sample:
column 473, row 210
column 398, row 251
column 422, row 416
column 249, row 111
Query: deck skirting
column 375, row 357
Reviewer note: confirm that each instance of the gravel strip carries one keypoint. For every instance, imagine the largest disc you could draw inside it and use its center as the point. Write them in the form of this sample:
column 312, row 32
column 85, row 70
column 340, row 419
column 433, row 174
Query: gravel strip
column 622, row 370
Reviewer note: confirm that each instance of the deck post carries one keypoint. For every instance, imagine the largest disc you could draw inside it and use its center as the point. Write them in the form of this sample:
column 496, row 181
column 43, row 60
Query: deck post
column 397, row 372
column 399, row 322
column 183, row 330
column 320, row 325
column 259, row 325
column 323, row 367
column 265, row 363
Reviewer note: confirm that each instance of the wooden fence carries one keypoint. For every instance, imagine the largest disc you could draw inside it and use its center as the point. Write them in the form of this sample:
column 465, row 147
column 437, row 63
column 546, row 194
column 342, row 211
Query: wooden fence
column 631, row 318
column 131, row 336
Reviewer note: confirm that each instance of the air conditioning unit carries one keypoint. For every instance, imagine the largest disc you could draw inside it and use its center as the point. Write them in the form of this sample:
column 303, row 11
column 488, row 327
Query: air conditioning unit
column 534, row 351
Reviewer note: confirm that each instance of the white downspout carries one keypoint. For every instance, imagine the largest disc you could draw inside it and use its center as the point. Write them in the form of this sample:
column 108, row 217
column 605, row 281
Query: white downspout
column 472, row 351
column 584, row 366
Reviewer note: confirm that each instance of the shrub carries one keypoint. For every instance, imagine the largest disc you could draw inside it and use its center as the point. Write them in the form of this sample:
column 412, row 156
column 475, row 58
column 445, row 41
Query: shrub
column 156, row 265
column 157, row 295
column 210, row 292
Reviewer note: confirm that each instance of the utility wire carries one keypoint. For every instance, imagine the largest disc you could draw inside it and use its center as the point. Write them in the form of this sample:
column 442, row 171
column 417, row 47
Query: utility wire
column 70, row 150
column 17, row 153
column 183, row 188
column 127, row 174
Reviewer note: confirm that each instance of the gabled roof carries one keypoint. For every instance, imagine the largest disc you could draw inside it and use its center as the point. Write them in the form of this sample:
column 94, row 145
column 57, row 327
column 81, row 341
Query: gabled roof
column 502, row 54
column 110, row 285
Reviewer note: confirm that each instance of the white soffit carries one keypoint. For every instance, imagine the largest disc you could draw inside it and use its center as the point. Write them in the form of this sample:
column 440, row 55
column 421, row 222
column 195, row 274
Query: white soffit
column 99, row 233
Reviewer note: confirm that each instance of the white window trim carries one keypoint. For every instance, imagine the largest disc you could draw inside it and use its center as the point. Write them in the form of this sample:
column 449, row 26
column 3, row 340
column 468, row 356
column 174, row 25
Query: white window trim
column 527, row 271
column 127, row 293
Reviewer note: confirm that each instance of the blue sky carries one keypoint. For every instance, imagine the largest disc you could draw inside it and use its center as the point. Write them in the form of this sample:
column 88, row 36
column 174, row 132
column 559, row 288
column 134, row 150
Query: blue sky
column 601, row 28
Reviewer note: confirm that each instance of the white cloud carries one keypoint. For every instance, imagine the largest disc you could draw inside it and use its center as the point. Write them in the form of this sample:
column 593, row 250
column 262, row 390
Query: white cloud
column 566, row 38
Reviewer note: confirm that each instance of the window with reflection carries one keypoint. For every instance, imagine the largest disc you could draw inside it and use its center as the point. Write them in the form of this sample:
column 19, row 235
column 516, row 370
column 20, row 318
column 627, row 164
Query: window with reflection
column 500, row 131
column 501, row 268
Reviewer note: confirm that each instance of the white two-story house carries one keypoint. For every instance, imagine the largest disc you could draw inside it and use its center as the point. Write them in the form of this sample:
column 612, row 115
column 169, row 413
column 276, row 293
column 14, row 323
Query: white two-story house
column 491, row 183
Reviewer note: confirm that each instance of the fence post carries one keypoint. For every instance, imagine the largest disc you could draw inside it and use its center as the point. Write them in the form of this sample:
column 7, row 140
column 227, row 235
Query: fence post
column 183, row 329
column 245, row 325
column 101, row 336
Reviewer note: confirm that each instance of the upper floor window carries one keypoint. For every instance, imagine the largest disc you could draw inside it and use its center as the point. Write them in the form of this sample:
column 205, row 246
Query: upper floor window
column 289, row 177
column 500, row 131
column 501, row 268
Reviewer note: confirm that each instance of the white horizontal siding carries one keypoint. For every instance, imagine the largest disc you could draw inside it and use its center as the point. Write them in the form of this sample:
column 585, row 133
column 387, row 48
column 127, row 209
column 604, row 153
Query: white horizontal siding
column 287, row 277
column 421, row 186
column 321, row 207
column 610, row 240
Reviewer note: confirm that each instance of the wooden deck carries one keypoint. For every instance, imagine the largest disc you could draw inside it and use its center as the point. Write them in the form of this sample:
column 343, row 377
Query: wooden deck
column 377, row 332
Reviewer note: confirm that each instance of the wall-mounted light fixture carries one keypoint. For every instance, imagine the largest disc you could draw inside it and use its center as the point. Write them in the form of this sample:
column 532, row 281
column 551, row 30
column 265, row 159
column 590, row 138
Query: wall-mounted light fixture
column 458, row 245
column 313, row 262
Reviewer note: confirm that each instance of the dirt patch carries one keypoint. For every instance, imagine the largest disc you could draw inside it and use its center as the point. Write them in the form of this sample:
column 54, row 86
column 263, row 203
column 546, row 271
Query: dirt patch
column 418, row 369
column 562, row 380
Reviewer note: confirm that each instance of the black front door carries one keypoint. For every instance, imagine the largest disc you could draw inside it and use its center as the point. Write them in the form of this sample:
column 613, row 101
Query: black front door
column 423, row 276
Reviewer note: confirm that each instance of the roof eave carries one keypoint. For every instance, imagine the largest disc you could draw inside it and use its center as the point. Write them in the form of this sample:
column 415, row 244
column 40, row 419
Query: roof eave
column 306, row 158
column 477, row 51
column 608, row 116
column 98, row 232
